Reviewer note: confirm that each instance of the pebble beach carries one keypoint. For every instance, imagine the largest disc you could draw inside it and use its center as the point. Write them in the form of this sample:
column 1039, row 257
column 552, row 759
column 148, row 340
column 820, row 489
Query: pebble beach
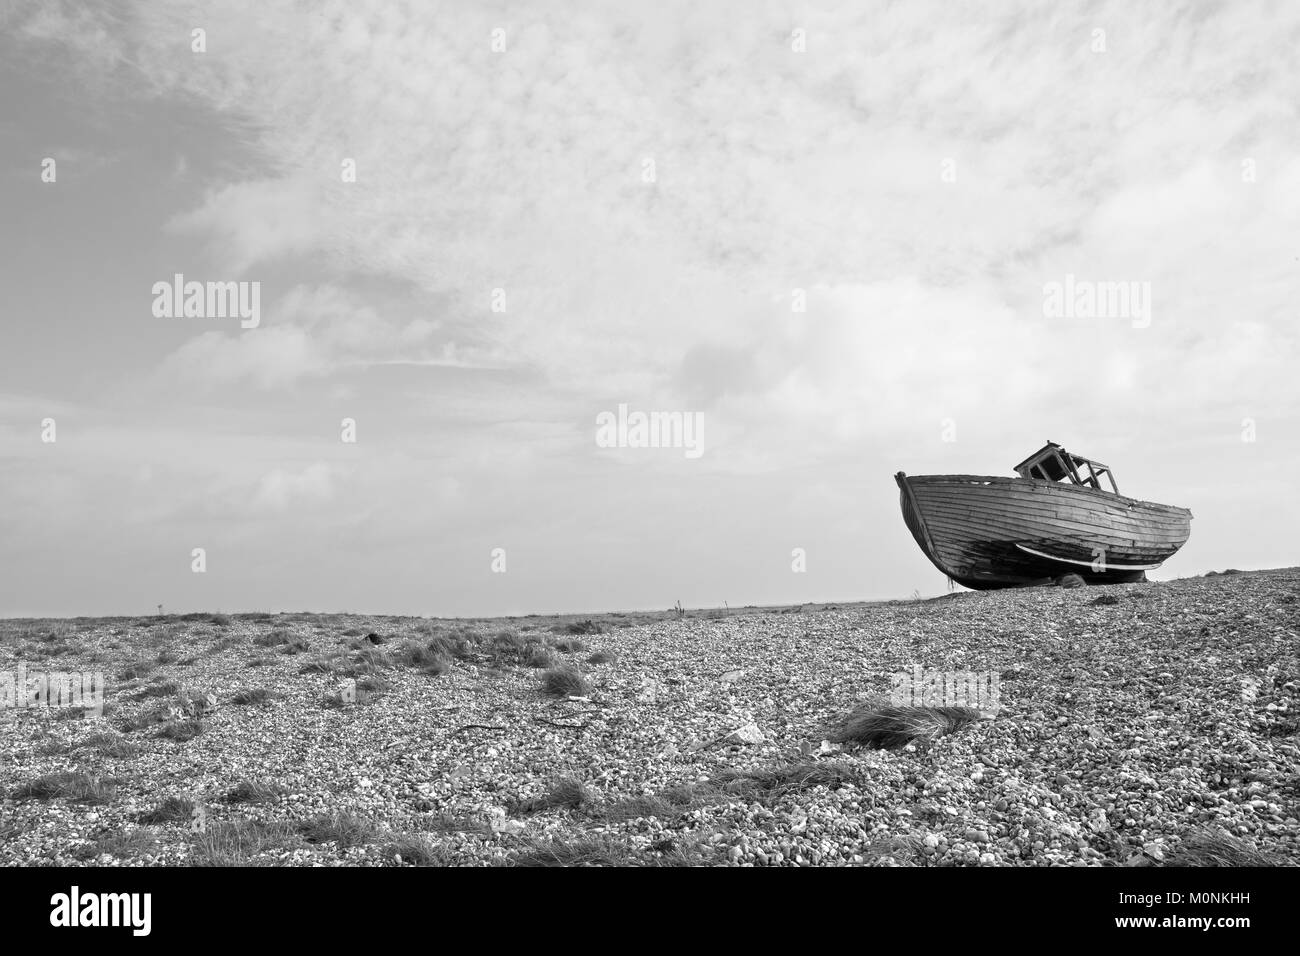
column 1137, row 725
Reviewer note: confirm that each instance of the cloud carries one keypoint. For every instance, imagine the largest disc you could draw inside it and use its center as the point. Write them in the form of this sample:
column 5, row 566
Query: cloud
column 280, row 489
column 270, row 358
column 918, row 174
column 774, row 169
column 254, row 223
column 311, row 332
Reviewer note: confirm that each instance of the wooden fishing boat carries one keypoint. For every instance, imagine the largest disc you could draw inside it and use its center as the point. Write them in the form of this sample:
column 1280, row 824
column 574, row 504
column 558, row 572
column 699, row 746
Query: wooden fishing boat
column 1053, row 519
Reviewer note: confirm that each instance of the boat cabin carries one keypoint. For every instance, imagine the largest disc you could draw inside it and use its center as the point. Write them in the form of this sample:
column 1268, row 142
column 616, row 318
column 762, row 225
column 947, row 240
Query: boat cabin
column 1054, row 463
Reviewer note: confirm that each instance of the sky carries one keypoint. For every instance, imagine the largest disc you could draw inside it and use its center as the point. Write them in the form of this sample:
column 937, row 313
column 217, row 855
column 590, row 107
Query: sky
column 825, row 232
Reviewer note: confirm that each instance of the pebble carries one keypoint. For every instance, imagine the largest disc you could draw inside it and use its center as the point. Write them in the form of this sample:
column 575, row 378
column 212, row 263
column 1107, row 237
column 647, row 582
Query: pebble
column 1093, row 736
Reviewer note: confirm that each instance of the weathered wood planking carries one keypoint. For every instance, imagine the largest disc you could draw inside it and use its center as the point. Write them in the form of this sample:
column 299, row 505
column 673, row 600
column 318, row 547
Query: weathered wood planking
column 972, row 527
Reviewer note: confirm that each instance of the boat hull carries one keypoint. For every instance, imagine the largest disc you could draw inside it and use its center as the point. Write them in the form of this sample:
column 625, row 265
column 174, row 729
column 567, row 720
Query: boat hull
column 996, row 532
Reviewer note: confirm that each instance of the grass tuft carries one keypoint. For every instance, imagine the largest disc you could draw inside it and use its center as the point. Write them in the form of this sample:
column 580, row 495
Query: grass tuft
column 252, row 695
column 323, row 664
column 158, row 689
column 373, row 684
column 422, row 658
column 416, row 850
column 772, row 785
column 123, row 844
column 567, row 793
column 234, row 843
column 276, row 637
column 452, row 645
column 578, row 627
column 565, row 681
column 591, row 851
column 182, row 731
column 538, row 656
column 635, row 808
column 171, row 810
column 224, row 644
column 111, row 745
column 136, row 669
column 68, row 785
column 346, row 829
column 1212, row 846
column 248, row 791
column 889, row 727
column 369, row 660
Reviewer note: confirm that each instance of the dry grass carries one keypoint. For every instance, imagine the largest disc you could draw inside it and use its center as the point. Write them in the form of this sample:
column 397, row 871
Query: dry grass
column 249, row 791
column 578, row 627
column 565, row 681
column 369, row 660
column 538, row 657
column 584, row 851
column 416, row 850
column 252, row 695
column 329, row 663
column 345, row 829
column 600, row 850
column 74, row 786
column 182, row 731
column 171, row 810
column 111, row 745
column 374, row 684
column 889, row 727
column 420, row 657
column 458, row 646
column 636, row 808
column 123, row 844
column 1212, row 846
column 768, row 786
column 224, row 644
column 508, row 647
column 234, row 843
column 158, row 689
column 152, row 717
column 904, row 848
column 568, row 793
column 136, row 670
column 277, row 637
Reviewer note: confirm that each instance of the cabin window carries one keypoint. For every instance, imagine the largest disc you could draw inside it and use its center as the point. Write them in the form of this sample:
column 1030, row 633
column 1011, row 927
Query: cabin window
column 1054, row 463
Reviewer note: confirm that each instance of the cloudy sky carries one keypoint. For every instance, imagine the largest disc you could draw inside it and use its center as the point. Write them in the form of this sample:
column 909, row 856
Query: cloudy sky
column 827, row 230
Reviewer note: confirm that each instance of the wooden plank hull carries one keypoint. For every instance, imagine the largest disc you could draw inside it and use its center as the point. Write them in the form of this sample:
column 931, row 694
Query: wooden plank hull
column 996, row 532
